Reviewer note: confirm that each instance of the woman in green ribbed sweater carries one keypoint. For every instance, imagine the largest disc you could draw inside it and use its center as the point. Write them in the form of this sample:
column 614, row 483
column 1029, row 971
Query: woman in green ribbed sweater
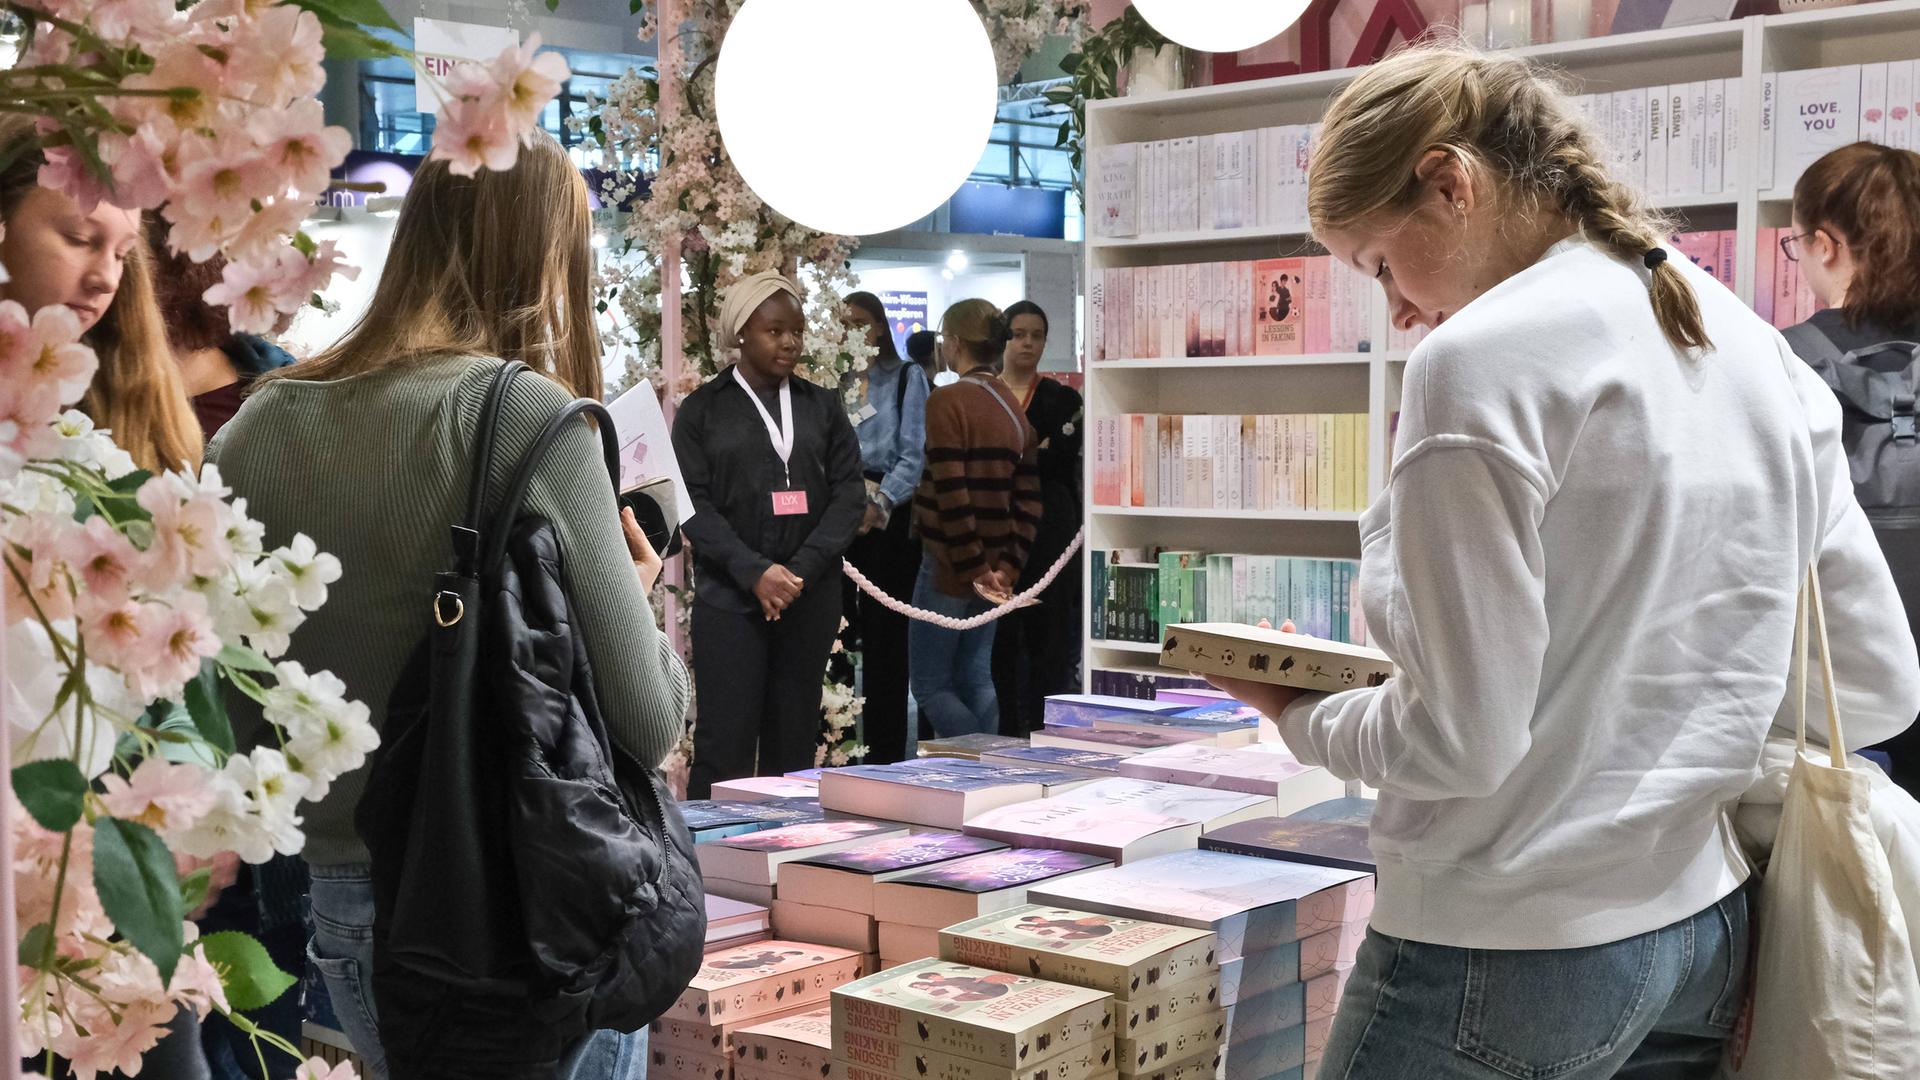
column 366, row 449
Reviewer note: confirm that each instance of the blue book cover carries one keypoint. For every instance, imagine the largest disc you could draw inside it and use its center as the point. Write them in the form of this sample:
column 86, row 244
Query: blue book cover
column 710, row 814
column 1061, row 757
column 1081, row 710
column 1227, row 712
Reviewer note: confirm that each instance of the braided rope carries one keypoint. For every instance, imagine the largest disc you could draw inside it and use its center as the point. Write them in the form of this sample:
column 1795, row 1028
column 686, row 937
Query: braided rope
column 948, row 622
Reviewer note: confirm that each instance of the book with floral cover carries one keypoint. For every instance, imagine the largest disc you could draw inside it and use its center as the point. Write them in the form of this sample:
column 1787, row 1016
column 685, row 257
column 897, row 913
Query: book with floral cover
column 967, row 888
column 990, row 1016
column 1111, row 832
column 845, row 878
column 1127, row 958
column 1319, row 843
column 763, row 979
column 1147, row 1012
column 1252, row 904
column 755, row 858
column 798, row 1045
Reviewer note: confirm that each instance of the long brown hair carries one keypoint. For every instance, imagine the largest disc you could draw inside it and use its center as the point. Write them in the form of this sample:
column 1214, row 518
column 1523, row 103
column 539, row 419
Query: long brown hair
column 495, row 264
column 137, row 393
column 1870, row 195
column 1502, row 119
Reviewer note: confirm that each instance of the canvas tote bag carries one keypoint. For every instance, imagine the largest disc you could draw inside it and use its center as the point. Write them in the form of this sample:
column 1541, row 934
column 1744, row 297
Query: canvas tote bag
column 1834, row 989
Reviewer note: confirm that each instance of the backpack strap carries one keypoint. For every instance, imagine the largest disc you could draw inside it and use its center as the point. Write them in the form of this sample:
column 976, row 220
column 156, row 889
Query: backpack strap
column 466, row 535
column 1811, row 344
column 509, row 509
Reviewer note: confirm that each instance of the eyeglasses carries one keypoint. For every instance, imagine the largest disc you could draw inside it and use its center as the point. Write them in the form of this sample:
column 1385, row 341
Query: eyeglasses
column 1790, row 244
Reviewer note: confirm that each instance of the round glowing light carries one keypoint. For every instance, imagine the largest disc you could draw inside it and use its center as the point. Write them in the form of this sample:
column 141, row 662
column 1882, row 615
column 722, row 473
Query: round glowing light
column 799, row 82
column 1221, row 26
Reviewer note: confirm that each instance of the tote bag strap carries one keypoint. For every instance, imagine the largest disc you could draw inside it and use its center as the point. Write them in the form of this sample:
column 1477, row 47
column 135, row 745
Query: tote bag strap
column 1811, row 602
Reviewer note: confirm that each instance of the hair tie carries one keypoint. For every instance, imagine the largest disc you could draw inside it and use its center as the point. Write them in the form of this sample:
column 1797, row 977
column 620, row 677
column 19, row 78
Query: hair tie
column 1654, row 257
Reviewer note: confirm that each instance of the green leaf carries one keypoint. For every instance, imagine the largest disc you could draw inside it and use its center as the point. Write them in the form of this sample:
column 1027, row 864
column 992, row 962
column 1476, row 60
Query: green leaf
column 240, row 659
column 353, row 43
column 34, row 945
column 1066, row 132
column 208, row 711
column 246, row 971
column 634, row 6
column 194, row 888
column 53, row 791
column 133, row 873
column 553, row 5
column 1070, row 63
column 245, row 684
column 352, row 13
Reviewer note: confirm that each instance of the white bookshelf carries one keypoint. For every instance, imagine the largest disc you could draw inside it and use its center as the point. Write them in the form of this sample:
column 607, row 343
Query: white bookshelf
column 1370, row 382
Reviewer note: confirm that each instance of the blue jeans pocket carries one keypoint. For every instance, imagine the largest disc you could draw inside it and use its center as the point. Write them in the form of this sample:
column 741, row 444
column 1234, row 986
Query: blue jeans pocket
column 1733, row 994
column 1538, row 1015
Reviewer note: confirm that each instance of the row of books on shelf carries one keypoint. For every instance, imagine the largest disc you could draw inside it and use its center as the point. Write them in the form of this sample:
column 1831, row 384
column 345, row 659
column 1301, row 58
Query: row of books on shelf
column 1136, row 598
column 1806, row 113
column 1151, row 915
column 1232, row 180
column 1315, row 462
column 1312, row 305
column 1780, row 294
column 1677, row 141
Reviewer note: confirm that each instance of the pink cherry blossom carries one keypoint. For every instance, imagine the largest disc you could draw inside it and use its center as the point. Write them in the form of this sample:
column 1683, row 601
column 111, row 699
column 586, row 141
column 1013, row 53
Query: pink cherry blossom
column 255, row 295
column 299, row 145
column 176, row 642
column 318, row 1069
column 115, row 635
column 196, row 983
column 277, row 54
column 198, row 236
column 181, row 64
column 528, row 79
column 223, row 177
column 474, row 133
column 189, row 534
column 66, row 171
column 105, row 561
column 145, row 164
column 120, row 21
column 161, row 795
column 260, row 238
column 55, row 356
column 326, row 264
column 16, row 336
column 117, row 1044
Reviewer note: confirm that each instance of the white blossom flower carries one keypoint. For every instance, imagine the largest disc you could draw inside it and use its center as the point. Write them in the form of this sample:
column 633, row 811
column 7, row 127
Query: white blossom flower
column 309, row 569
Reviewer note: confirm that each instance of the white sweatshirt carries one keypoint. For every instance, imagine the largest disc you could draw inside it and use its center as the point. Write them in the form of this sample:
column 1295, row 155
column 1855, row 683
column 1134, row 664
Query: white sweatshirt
column 1585, row 566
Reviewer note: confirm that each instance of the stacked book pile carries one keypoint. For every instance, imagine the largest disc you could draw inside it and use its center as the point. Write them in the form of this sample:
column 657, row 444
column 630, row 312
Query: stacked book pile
column 829, row 897
column 1165, row 980
column 731, row 923
column 935, row 792
column 968, row 747
column 1287, row 935
column 1121, row 819
column 911, row 909
column 798, row 1046
column 1305, row 461
column 1266, row 769
column 935, row 1020
column 737, row 988
column 717, row 819
column 1270, row 307
column 746, row 867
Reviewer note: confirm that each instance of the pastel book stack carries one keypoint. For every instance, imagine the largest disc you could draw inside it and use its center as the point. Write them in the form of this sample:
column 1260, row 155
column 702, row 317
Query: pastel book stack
column 747, row 867
column 940, row 793
column 968, row 747
column 797, row 1046
column 1122, row 834
column 1320, row 843
column 753, row 789
column 1165, row 979
column 734, row 987
column 1288, row 933
column 1313, row 462
column 936, row 1020
column 1089, row 763
column 717, row 819
column 911, row 909
column 828, row 898
column 1081, row 710
column 1117, row 743
column 1273, row 307
column 1224, row 728
column 1678, row 142
column 1209, row 808
column 1267, row 768
column 731, row 923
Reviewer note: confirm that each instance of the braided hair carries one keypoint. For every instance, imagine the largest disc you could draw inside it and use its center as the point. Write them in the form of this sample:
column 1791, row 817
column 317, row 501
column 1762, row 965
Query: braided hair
column 1501, row 118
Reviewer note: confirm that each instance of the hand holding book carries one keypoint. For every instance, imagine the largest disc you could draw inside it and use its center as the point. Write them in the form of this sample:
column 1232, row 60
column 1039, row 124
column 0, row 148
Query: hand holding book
column 1269, row 698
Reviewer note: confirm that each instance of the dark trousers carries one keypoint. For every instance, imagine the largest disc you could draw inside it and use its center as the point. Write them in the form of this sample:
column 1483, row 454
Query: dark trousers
column 1037, row 653
column 890, row 558
column 758, row 685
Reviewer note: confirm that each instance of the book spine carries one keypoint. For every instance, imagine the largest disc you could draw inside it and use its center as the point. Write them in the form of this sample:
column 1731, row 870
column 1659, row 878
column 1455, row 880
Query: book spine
column 1654, row 134
column 1873, row 103
column 1765, row 251
column 1769, row 130
column 1900, row 104
column 1713, row 137
column 1730, row 151
column 1677, row 174
column 1097, row 588
column 1786, row 283
column 1317, row 328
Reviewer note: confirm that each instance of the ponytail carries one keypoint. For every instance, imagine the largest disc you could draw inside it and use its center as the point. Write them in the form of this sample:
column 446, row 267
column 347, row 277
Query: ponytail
column 1870, row 196
column 1503, row 118
column 980, row 329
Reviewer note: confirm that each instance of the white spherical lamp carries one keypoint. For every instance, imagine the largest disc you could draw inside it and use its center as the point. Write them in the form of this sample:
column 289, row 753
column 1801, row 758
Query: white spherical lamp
column 1221, row 26
column 806, row 92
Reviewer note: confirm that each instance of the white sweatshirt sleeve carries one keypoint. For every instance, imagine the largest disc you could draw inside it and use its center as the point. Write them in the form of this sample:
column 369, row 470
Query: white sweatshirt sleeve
column 1466, row 552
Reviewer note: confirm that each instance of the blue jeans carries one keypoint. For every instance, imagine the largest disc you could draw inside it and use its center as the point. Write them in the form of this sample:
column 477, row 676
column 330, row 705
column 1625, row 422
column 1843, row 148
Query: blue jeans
column 951, row 671
column 342, row 951
column 1654, row 1007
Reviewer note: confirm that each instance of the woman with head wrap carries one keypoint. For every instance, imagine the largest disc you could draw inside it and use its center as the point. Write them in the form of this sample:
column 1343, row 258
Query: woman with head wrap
column 773, row 467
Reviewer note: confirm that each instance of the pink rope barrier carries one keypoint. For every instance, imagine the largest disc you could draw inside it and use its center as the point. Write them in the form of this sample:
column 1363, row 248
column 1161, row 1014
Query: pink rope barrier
column 948, row 622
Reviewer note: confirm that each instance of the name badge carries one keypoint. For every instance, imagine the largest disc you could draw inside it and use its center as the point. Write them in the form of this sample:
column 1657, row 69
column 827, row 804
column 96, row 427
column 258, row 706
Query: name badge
column 866, row 413
column 788, row 503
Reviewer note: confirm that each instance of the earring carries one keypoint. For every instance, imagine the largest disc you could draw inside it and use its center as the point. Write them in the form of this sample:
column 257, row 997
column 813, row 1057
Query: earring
column 1461, row 206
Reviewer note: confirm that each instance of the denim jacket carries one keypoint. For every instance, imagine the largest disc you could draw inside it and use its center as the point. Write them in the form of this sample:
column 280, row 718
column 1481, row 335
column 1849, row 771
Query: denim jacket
column 893, row 438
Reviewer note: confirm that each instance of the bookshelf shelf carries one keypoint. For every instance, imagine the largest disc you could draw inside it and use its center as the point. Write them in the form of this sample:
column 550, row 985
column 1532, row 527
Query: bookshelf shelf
column 1748, row 48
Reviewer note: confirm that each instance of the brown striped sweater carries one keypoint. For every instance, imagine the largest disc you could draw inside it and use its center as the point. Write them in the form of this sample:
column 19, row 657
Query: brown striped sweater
column 979, row 500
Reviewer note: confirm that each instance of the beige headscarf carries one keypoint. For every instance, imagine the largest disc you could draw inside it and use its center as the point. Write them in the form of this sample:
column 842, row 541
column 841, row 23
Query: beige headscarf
column 746, row 297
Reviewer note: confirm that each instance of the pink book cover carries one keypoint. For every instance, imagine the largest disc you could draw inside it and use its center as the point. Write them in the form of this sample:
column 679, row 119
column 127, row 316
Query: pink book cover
column 752, row 789
column 1703, row 248
column 1786, row 279
column 1193, row 286
column 1766, row 252
column 1106, row 462
column 1143, row 326
column 1106, row 831
column 1279, row 292
column 1136, row 464
column 1729, row 243
column 1318, row 317
column 762, row 979
column 988, row 1016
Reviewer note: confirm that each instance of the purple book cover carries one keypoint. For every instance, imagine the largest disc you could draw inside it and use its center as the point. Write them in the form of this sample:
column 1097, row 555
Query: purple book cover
column 811, row 834
column 1138, row 740
column 708, row 814
column 906, row 852
column 1318, row 843
column 1080, row 710
column 1002, row 870
column 1065, row 756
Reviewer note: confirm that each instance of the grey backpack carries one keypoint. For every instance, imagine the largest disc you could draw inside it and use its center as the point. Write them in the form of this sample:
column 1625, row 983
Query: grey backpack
column 1877, row 387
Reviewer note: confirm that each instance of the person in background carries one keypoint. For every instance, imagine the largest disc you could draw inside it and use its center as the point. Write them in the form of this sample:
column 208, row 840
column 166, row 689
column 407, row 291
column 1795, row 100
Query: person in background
column 1036, row 650
column 923, row 348
column 977, row 510
column 1611, row 480
column 216, row 364
column 892, row 428
column 1856, row 236
column 773, row 467
column 368, row 449
column 96, row 263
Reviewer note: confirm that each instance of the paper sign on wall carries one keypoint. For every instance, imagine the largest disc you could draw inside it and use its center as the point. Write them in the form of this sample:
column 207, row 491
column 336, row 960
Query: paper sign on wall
column 441, row 44
column 646, row 447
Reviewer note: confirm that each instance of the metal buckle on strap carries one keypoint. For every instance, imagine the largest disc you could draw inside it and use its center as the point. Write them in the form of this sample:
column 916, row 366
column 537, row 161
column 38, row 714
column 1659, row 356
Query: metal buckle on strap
column 1904, row 427
column 440, row 615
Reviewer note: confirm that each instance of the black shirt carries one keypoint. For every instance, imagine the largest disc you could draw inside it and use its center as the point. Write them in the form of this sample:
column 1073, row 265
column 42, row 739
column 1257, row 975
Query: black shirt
column 1056, row 412
column 732, row 470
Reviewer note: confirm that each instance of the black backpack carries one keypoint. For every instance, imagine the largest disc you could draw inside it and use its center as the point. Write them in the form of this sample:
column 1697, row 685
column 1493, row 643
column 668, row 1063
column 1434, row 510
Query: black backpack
column 1877, row 387
column 519, row 855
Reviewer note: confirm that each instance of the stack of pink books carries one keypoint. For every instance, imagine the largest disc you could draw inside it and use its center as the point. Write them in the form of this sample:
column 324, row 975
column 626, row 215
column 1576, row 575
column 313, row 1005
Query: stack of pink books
column 1287, row 934
column 737, row 988
column 747, row 867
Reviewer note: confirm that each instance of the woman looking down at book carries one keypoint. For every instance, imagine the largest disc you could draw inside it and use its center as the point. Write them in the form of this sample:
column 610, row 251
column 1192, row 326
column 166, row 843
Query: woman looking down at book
column 1611, row 478
column 773, row 467
column 1856, row 237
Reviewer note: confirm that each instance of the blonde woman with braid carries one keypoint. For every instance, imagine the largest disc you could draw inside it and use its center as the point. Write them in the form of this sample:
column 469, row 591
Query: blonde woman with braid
column 1610, row 478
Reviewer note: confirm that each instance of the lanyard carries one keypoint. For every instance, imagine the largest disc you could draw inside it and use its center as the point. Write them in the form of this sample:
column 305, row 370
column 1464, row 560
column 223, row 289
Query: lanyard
column 781, row 434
